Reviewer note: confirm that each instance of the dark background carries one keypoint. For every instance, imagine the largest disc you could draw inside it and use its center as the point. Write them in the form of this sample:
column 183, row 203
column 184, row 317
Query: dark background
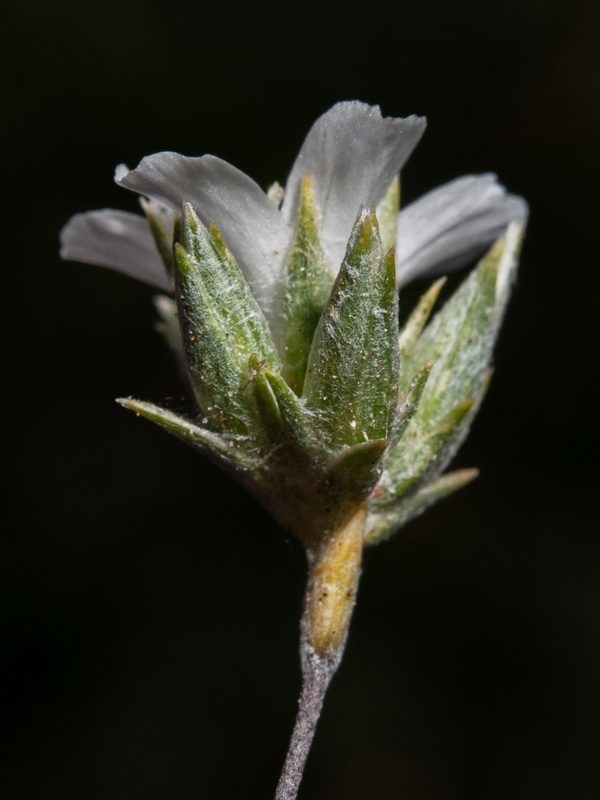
column 149, row 612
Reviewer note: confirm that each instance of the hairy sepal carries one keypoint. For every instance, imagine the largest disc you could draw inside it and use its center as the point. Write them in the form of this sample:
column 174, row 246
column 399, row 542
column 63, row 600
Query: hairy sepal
column 228, row 453
column 382, row 523
column 351, row 383
column 459, row 341
column 223, row 329
column 307, row 283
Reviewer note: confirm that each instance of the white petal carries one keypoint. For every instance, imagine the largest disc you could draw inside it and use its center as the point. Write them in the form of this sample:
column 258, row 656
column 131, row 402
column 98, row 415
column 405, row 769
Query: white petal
column 452, row 225
column 251, row 226
column 114, row 239
column 351, row 155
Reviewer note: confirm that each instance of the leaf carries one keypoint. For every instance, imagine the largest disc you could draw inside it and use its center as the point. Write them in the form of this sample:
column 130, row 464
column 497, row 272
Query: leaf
column 352, row 379
column 168, row 325
column 161, row 222
column 409, row 403
column 223, row 327
column 459, row 340
column 295, row 421
column 382, row 523
column 416, row 322
column 226, row 452
column 307, row 283
column 421, row 452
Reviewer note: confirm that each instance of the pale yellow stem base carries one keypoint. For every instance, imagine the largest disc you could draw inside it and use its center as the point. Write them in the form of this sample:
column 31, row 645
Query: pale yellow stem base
column 333, row 583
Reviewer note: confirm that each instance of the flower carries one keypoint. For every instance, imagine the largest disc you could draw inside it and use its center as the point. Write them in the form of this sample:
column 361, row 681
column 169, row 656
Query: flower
column 288, row 318
column 351, row 154
column 308, row 392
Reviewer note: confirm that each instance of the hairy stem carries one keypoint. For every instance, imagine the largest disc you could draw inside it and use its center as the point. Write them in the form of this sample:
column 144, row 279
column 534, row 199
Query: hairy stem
column 330, row 594
column 317, row 673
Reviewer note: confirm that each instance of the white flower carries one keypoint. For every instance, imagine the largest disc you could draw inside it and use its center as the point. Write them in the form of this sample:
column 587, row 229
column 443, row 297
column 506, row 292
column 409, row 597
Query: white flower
column 351, row 154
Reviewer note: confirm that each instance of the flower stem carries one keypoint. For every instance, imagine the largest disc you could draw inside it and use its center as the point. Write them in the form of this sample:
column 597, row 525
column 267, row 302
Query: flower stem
column 334, row 571
column 316, row 678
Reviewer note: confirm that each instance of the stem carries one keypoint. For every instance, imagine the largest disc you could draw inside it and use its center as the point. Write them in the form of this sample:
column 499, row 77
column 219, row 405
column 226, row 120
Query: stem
column 330, row 594
column 317, row 671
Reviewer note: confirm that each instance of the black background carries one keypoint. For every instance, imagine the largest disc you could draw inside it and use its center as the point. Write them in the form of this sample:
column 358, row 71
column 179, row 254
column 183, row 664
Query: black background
column 149, row 618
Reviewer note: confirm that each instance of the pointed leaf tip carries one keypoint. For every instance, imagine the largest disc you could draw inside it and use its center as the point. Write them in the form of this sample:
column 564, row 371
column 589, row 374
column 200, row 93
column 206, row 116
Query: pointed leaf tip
column 306, row 285
column 387, row 519
column 352, row 376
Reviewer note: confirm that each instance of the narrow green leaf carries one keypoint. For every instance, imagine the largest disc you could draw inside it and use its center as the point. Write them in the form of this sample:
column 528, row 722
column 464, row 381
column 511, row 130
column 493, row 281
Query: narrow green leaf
column 418, row 317
column 223, row 326
column 268, row 407
column 168, row 325
column 387, row 215
column 307, row 283
column 409, row 402
column 420, row 452
column 352, row 379
column 459, row 340
column 295, row 421
column 227, row 452
column 384, row 521
column 161, row 227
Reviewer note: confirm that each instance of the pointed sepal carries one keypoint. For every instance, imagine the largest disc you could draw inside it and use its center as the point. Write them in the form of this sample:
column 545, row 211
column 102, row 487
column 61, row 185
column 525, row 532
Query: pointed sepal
column 307, row 282
column 420, row 451
column 168, row 325
column 295, row 420
column 162, row 224
column 228, row 453
column 384, row 522
column 408, row 402
column 351, row 383
column 459, row 341
column 411, row 330
column 355, row 471
column 223, row 327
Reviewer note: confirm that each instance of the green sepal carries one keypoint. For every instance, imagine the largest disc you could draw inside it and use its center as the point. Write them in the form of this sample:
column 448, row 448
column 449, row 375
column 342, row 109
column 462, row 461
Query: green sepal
column 351, row 383
column 421, row 452
column 387, row 215
column 268, row 407
column 356, row 470
column 306, row 286
column 411, row 330
column 383, row 522
column 295, row 421
column 168, row 325
column 162, row 232
column 409, row 402
column 226, row 452
column 460, row 339
column 223, row 326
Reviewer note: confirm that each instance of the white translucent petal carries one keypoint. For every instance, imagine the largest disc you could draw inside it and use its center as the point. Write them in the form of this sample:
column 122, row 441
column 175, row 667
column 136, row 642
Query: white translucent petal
column 452, row 225
column 114, row 239
column 351, row 155
column 251, row 225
